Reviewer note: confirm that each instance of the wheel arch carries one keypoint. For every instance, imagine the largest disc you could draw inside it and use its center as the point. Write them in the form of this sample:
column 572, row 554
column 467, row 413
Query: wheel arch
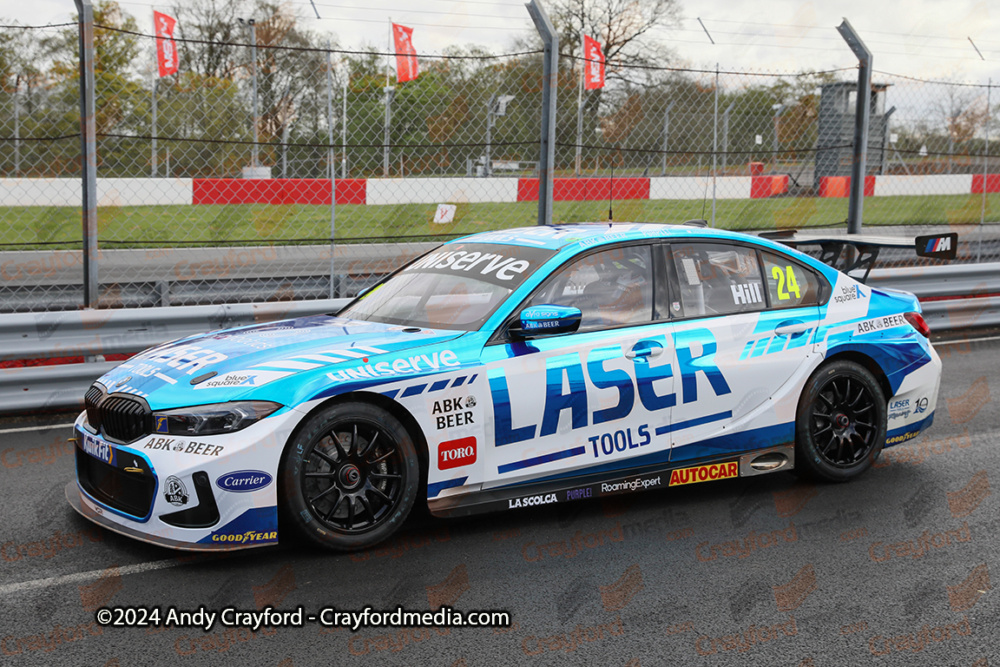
column 405, row 417
column 868, row 363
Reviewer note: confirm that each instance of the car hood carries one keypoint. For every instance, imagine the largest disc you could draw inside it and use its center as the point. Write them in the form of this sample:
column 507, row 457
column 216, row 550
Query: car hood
column 241, row 359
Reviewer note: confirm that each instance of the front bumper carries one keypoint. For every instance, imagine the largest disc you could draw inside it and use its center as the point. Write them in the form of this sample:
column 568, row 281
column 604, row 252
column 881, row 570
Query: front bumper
column 206, row 493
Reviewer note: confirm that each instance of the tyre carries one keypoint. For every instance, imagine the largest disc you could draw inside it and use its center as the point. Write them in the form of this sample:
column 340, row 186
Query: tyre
column 349, row 476
column 840, row 424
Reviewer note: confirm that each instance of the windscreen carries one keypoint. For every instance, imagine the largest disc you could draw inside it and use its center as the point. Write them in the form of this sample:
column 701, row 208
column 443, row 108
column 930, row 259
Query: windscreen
column 457, row 286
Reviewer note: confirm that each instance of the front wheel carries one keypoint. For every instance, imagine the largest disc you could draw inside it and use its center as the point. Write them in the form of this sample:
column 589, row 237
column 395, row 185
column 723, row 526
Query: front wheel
column 841, row 422
column 350, row 476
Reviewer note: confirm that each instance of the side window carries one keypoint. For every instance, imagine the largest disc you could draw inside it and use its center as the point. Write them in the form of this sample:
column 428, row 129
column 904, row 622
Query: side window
column 789, row 283
column 611, row 288
column 716, row 279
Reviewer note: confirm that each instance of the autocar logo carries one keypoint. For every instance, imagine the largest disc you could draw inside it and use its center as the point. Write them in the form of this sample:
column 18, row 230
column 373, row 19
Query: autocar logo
column 457, row 453
column 243, row 481
column 175, row 492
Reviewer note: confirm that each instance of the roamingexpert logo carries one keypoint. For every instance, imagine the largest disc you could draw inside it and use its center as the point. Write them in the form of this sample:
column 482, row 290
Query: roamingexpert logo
column 630, row 485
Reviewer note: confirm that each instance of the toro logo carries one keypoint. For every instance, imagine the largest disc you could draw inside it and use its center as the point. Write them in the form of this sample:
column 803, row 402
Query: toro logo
column 242, row 481
column 457, row 453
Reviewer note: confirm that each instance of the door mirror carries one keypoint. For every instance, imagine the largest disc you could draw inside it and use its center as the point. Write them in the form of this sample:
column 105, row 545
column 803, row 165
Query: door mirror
column 546, row 320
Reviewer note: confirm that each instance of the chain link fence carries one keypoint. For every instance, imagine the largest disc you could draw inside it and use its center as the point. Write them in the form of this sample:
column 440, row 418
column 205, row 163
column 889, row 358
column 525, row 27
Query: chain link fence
column 214, row 184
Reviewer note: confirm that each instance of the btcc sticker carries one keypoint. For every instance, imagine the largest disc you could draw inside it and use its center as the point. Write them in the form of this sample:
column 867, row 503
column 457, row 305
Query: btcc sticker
column 532, row 501
column 879, row 323
column 704, row 473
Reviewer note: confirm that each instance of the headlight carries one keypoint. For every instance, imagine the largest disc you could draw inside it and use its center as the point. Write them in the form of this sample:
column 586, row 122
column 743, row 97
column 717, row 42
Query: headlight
column 212, row 419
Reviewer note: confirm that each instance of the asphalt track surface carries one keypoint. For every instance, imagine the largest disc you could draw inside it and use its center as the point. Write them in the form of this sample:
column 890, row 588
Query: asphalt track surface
column 899, row 567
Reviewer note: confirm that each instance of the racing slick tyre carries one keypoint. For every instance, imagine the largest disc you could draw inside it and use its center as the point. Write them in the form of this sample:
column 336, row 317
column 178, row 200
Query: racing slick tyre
column 349, row 476
column 840, row 424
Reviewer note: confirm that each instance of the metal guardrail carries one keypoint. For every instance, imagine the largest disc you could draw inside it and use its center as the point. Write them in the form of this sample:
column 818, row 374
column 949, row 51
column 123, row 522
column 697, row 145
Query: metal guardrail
column 95, row 333
column 954, row 297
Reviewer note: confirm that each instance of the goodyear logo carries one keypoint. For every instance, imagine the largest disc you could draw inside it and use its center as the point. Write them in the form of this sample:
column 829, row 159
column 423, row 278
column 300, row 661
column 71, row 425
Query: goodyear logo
column 705, row 473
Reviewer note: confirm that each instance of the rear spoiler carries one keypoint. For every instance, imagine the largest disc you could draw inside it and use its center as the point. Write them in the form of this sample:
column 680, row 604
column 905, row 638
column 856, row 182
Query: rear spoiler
column 865, row 247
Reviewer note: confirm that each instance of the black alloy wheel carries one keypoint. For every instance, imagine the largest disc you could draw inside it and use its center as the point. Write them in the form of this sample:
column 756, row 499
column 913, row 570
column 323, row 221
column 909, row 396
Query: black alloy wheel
column 841, row 422
column 350, row 476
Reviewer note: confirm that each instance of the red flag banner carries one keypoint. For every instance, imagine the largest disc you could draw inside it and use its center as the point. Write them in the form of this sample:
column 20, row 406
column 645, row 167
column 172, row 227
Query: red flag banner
column 593, row 67
column 166, row 48
column 406, row 55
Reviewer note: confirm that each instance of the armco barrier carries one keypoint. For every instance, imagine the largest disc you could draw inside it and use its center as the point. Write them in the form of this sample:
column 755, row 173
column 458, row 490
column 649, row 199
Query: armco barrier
column 954, row 297
column 94, row 333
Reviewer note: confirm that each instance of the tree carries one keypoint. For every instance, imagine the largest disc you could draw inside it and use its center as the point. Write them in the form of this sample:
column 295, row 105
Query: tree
column 622, row 27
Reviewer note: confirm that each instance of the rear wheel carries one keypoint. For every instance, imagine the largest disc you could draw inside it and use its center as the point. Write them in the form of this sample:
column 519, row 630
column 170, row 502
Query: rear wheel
column 841, row 422
column 349, row 476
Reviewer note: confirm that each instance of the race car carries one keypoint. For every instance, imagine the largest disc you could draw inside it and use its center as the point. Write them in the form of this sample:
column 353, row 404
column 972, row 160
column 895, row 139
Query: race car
column 505, row 370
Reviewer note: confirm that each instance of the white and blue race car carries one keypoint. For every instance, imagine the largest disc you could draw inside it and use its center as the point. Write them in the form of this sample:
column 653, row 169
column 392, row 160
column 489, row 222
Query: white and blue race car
column 510, row 369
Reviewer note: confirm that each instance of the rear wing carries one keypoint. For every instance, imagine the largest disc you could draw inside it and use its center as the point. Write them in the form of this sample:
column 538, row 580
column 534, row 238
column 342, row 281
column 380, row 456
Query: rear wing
column 864, row 248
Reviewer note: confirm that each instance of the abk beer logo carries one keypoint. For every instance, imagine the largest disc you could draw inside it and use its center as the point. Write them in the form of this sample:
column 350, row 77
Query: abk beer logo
column 175, row 492
column 457, row 453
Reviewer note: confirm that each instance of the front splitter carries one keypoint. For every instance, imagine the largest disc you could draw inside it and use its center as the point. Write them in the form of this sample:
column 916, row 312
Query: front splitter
column 93, row 513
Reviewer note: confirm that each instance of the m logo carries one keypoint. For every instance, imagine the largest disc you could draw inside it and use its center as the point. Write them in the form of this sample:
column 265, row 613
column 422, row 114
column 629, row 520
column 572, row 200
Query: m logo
column 941, row 246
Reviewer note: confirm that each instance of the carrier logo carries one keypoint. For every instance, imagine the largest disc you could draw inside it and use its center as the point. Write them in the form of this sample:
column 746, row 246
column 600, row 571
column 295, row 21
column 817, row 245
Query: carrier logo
column 175, row 492
column 243, row 481
column 101, row 451
column 457, row 453
column 704, row 473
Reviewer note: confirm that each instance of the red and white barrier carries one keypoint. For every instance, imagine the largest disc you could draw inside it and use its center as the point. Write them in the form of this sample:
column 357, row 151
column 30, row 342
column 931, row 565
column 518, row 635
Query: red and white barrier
column 110, row 191
column 388, row 191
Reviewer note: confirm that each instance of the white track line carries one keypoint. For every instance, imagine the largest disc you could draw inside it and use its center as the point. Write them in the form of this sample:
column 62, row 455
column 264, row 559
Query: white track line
column 61, row 580
column 965, row 340
column 34, row 428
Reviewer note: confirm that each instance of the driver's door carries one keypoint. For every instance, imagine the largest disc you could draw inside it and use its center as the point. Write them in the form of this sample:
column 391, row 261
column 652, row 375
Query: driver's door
column 564, row 404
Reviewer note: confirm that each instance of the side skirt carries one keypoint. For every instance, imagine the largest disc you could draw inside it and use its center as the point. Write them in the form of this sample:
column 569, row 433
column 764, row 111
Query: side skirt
column 758, row 462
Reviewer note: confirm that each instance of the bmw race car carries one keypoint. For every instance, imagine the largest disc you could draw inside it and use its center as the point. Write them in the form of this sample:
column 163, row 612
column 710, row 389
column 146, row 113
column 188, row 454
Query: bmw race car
column 511, row 369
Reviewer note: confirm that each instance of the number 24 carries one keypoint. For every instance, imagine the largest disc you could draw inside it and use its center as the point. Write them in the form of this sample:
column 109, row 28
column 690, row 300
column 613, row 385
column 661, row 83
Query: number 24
column 792, row 286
